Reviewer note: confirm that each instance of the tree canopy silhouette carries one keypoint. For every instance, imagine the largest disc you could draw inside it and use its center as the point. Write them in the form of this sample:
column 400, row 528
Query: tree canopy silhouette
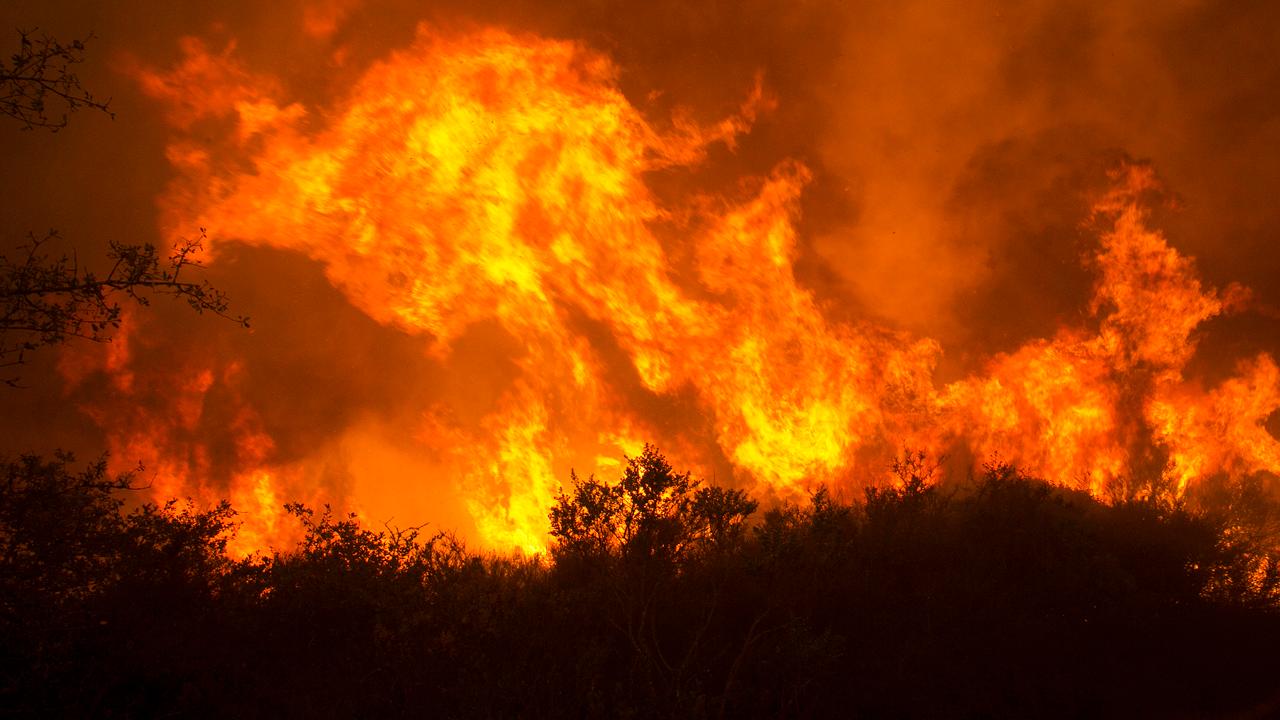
column 663, row 597
column 651, row 513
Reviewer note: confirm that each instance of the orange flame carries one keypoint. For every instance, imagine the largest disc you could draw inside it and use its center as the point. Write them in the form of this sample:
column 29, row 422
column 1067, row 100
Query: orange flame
column 494, row 177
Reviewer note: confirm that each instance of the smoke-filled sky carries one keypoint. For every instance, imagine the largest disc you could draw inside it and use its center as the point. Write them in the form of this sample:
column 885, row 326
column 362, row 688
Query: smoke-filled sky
column 953, row 150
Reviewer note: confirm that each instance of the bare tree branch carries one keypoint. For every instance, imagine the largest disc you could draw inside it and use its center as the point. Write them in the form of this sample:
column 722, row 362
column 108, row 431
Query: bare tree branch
column 40, row 75
column 46, row 299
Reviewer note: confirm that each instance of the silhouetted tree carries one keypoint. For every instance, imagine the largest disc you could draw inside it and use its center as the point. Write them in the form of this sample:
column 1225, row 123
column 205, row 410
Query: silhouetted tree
column 46, row 297
column 999, row 596
column 652, row 513
column 40, row 74
column 92, row 598
column 635, row 551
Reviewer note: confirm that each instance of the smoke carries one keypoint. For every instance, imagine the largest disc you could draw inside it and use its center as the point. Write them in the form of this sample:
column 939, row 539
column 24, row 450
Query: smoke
column 931, row 102
column 952, row 147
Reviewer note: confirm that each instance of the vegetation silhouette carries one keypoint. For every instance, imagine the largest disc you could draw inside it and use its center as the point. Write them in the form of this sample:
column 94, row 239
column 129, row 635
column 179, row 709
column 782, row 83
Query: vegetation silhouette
column 995, row 596
column 48, row 295
column 42, row 74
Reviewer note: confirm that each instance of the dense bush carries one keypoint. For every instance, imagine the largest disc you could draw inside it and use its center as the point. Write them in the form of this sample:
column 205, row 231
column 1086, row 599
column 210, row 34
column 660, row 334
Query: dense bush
column 1000, row 597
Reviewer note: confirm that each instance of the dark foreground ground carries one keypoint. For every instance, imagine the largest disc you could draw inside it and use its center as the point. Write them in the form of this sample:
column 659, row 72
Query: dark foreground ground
column 997, row 597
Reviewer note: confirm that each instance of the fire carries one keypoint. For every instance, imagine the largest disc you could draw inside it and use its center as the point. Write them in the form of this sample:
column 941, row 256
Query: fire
column 499, row 178
column 158, row 427
column 1081, row 408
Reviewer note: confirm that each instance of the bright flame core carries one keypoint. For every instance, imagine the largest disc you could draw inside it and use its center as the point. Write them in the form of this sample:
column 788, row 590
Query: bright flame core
column 501, row 178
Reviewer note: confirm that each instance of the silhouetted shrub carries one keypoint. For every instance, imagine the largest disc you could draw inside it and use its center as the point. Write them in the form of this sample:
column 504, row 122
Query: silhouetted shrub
column 1000, row 597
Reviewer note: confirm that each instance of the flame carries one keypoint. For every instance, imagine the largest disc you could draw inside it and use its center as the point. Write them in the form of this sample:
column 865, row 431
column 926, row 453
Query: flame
column 502, row 178
column 160, row 426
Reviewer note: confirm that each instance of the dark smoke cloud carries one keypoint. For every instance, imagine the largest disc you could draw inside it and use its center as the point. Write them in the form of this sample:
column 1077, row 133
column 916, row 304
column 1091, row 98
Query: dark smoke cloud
column 930, row 97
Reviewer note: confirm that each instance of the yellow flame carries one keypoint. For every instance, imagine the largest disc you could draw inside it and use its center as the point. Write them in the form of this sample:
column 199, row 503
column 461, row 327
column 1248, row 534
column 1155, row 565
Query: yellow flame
column 496, row 177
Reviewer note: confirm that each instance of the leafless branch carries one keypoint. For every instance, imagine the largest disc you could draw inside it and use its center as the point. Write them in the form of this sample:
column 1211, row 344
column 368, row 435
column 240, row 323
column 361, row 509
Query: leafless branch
column 39, row 87
column 46, row 298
